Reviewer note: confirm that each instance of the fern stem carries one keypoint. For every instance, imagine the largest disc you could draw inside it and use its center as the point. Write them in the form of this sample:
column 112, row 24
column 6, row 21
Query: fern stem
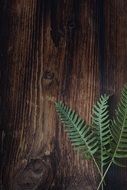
column 102, row 183
column 102, row 179
column 97, row 167
column 102, row 187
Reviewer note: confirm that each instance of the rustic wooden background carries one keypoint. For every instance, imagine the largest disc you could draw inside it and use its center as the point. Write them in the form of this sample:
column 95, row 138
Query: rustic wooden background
column 71, row 50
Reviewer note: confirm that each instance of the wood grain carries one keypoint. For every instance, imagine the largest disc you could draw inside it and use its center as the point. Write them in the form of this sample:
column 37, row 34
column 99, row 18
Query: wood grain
column 56, row 50
column 116, row 69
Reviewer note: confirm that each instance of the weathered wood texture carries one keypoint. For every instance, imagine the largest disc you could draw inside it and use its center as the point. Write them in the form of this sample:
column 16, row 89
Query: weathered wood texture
column 64, row 49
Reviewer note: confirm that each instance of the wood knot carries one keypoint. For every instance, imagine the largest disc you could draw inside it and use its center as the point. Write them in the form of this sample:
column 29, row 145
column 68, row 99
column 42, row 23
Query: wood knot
column 49, row 81
column 29, row 178
column 48, row 75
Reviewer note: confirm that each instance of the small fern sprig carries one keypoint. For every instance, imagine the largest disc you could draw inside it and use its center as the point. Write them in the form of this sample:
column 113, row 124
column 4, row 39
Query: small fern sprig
column 81, row 135
column 119, row 131
column 119, row 134
column 101, row 122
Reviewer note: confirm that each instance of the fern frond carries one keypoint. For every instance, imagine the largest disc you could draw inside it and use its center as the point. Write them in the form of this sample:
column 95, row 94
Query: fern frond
column 119, row 135
column 106, row 141
column 101, row 122
column 80, row 134
column 119, row 131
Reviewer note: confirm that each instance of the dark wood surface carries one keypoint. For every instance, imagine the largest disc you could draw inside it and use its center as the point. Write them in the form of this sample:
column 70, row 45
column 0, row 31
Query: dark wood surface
column 67, row 50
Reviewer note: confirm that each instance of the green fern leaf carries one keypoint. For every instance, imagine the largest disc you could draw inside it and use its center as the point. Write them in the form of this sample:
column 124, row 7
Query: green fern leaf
column 119, row 131
column 119, row 135
column 101, row 122
column 80, row 134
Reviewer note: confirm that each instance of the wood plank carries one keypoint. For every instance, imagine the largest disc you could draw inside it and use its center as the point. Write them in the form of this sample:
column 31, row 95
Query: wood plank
column 115, row 58
column 67, row 50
